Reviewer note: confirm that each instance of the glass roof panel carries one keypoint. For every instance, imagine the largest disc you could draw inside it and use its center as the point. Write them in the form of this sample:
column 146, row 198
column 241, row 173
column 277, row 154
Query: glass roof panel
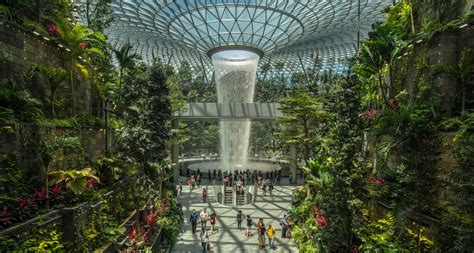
column 285, row 30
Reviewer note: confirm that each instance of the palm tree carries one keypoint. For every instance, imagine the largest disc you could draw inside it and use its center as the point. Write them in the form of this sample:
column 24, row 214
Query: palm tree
column 84, row 43
column 55, row 77
column 460, row 73
column 48, row 151
column 126, row 59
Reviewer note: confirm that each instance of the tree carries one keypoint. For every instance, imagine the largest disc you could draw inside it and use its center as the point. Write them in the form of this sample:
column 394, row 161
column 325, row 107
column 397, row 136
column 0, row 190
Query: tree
column 145, row 133
column 97, row 13
column 303, row 118
column 55, row 77
column 126, row 59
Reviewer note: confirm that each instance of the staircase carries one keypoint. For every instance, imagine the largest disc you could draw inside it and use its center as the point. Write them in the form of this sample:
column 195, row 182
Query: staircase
column 228, row 196
column 240, row 199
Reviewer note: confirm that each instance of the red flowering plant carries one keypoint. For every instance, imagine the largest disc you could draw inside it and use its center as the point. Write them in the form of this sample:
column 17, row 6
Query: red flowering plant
column 56, row 189
column 52, row 29
column 90, row 183
column 5, row 219
column 82, row 44
column 41, row 194
column 151, row 218
column 23, row 202
column 394, row 105
column 320, row 220
column 376, row 181
column 369, row 115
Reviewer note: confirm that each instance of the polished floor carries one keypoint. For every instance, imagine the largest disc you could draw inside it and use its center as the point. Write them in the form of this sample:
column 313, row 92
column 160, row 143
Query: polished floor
column 228, row 238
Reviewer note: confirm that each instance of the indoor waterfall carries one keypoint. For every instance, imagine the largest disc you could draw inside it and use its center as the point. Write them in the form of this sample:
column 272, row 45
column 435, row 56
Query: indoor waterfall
column 235, row 73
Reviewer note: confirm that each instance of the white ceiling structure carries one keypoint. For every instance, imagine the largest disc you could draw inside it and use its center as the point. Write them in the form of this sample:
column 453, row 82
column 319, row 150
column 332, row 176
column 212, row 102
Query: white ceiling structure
column 295, row 32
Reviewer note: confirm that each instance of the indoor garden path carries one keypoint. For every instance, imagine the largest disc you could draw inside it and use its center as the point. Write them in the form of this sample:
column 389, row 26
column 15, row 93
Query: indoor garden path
column 228, row 238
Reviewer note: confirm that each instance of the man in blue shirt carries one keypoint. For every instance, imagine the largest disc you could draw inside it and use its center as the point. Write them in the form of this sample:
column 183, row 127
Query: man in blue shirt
column 194, row 219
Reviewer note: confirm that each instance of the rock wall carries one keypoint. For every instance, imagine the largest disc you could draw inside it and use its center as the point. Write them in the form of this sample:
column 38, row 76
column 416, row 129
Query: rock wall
column 20, row 49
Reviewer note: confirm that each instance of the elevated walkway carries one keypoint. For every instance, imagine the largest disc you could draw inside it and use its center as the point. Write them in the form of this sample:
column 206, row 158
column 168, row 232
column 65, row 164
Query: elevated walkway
column 229, row 111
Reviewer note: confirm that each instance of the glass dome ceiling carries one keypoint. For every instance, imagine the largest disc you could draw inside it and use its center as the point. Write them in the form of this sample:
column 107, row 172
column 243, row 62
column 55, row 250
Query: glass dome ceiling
column 295, row 32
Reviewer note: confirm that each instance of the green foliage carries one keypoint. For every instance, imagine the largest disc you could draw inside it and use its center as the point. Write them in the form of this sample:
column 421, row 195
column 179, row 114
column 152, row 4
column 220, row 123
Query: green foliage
column 303, row 114
column 75, row 180
column 55, row 77
column 380, row 235
column 97, row 14
column 49, row 149
column 460, row 73
column 101, row 229
column 17, row 105
column 44, row 241
column 334, row 182
column 146, row 126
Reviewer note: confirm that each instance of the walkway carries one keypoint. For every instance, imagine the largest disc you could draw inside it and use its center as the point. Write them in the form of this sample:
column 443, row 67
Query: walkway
column 228, row 238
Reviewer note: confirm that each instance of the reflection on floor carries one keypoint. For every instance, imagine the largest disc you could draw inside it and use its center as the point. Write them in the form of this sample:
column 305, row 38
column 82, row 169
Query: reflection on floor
column 228, row 238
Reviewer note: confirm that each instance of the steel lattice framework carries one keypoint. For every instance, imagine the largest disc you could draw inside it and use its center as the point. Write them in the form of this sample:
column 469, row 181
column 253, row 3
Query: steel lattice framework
column 295, row 32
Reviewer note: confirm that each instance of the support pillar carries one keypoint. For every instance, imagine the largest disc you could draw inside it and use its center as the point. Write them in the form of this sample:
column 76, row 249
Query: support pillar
column 175, row 154
column 293, row 163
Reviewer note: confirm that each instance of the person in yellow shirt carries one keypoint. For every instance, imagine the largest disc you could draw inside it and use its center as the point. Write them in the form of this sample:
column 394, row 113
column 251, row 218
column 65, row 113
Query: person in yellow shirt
column 271, row 236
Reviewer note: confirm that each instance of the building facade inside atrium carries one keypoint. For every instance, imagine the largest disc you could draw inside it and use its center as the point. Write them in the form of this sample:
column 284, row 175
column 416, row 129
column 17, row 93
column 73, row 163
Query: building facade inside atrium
column 236, row 126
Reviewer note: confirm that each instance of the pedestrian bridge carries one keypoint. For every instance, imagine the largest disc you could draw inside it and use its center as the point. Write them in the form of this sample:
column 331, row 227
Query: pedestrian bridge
column 230, row 111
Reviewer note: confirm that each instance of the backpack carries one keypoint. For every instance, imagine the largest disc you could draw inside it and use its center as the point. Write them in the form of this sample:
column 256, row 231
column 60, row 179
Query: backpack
column 249, row 222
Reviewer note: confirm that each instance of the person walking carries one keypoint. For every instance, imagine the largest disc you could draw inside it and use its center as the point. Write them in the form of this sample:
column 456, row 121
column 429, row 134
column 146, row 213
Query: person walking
column 248, row 232
column 261, row 230
column 212, row 220
column 204, row 241
column 271, row 236
column 204, row 217
column 180, row 188
column 270, row 189
column 190, row 183
column 204, row 194
column 284, row 226
column 240, row 217
column 194, row 219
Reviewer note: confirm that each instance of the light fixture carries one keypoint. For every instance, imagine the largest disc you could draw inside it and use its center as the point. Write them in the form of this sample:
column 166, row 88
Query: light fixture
column 410, row 46
column 419, row 41
column 60, row 45
column 36, row 33
column 46, row 38
column 67, row 49
column 464, row 25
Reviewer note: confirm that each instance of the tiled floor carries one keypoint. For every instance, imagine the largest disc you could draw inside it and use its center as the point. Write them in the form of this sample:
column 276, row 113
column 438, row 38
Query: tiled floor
column 228, row 238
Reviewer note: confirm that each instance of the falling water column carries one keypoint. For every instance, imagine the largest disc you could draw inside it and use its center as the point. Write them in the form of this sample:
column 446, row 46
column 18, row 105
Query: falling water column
column 235, row 73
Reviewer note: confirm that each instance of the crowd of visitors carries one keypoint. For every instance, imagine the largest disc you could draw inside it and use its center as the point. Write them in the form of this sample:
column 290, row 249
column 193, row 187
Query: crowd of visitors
column 238, row 178
column 263, row 231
